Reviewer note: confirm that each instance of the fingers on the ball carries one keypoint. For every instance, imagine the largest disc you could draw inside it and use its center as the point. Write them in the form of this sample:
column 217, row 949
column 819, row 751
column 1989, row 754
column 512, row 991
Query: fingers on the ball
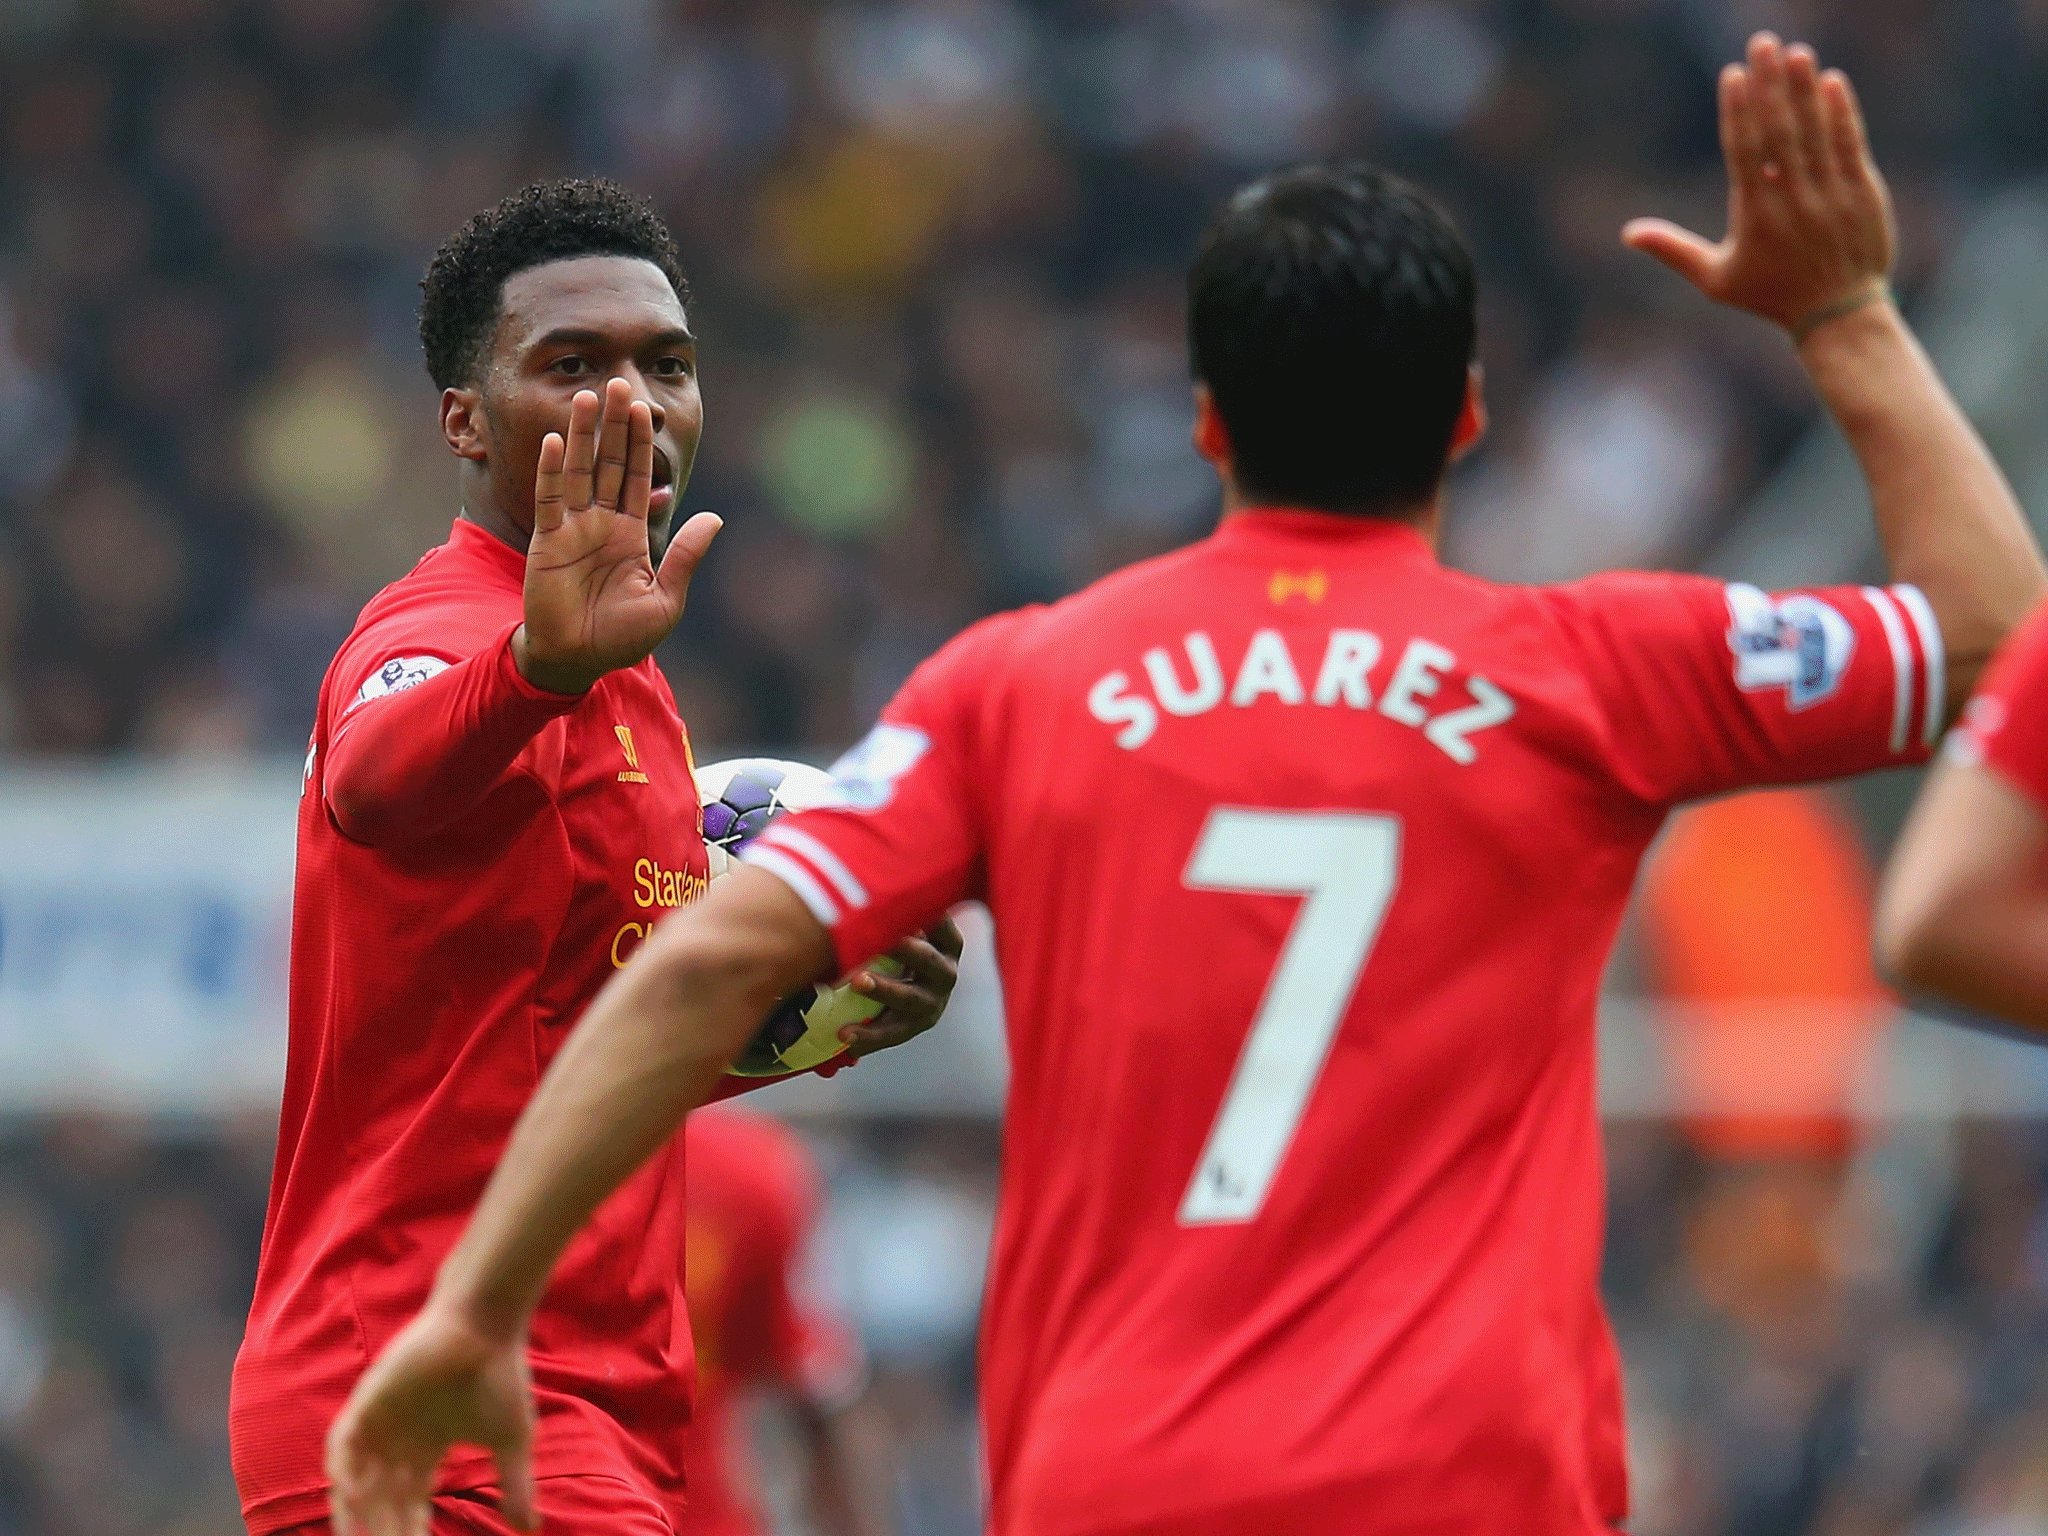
column 880, row 1032
column 926, row 961
column 945, row 936
column 894, row 992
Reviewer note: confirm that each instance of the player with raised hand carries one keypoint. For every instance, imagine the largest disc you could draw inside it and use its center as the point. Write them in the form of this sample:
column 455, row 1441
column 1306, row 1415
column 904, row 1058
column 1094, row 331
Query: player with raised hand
column 499, row 806
column 1305, row 855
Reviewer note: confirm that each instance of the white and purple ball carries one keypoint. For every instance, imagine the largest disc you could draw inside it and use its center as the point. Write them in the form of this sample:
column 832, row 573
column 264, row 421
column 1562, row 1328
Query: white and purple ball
column 740, row 797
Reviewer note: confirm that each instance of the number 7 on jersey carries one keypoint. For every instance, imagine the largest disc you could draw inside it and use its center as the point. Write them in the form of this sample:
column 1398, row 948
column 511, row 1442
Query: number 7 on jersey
column 1346, row 866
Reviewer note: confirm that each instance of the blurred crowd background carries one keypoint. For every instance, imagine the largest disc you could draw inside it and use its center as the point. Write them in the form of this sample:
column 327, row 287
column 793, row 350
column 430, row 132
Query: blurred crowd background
column 937, row 247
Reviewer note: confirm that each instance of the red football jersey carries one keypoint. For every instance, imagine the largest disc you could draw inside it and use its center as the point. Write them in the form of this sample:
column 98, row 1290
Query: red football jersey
column 756, row 1313
column 1305, row 855
column 432, row 979
column 2006, row 723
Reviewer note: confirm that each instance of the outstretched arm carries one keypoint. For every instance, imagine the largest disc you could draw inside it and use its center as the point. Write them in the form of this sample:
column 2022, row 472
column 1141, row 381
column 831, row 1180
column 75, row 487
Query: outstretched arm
column 653, row 1046
column 1809, row 246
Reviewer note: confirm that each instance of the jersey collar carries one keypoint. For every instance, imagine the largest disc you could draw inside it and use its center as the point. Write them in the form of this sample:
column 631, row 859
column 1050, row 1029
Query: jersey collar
column 472, row 542
column 1255, row 526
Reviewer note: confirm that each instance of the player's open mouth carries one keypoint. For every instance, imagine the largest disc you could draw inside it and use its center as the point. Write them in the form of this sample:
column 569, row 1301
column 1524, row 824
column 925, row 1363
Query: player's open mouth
column 664, row 490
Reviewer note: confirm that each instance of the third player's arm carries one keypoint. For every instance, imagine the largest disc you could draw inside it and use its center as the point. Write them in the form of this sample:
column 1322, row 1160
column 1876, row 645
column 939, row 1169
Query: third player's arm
column 1809, row 246
column 652, row 1047
column 1946, row 518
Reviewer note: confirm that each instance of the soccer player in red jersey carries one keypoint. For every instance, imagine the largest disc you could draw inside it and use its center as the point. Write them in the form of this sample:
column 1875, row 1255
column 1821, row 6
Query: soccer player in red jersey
column 1963, row 915
column 1305, row 855
column 498, row 808
column 760, row 1323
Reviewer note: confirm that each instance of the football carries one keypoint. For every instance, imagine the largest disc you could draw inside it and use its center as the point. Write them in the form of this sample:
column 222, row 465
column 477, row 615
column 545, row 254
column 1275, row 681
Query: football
column 740, row 797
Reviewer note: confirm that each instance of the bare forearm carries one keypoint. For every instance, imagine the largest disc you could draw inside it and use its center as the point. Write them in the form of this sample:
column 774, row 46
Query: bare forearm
column 1946, row 518
column 1990, row 957
column 652, row 1047
column 1963, row 912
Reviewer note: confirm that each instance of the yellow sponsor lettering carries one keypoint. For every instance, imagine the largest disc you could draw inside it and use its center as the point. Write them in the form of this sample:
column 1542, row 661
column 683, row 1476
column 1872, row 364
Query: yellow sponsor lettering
column 656, row 886
column 635, row 931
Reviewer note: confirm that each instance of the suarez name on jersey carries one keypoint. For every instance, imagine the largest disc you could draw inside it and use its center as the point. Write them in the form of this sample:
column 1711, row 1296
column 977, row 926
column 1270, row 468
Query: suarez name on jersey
column 1305, row 855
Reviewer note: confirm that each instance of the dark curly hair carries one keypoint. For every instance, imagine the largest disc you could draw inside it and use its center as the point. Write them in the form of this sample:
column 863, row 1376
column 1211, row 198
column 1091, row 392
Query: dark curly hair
column 548, row 221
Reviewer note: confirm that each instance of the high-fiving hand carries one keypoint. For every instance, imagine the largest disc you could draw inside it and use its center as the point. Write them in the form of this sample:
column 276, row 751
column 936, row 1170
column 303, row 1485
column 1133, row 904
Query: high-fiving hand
column 1810, row 231
column 594, row 600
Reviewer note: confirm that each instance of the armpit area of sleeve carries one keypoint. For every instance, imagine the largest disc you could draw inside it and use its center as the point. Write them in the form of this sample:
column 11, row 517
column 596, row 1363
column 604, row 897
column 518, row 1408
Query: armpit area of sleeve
column 2005, row 727
column 2014, row 749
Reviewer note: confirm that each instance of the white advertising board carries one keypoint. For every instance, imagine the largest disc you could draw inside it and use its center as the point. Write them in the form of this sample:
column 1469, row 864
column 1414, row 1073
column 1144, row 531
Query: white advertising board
column 144, row 920
column 144, row 929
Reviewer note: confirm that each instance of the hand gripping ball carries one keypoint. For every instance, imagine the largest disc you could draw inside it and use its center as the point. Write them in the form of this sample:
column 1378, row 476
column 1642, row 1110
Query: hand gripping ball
column 740, row 797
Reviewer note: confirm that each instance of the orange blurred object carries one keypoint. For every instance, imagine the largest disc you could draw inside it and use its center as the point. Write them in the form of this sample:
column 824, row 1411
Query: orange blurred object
column 1756, row 928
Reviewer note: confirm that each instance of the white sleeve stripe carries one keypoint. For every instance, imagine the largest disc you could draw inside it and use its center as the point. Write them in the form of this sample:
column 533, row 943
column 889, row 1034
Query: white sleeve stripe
column 822, row 859
column 1933, row 653
column 1902, row 662
column 797, row 878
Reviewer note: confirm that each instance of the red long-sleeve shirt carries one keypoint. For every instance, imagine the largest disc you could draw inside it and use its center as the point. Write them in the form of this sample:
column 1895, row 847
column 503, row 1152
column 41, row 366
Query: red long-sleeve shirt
column 475, row 858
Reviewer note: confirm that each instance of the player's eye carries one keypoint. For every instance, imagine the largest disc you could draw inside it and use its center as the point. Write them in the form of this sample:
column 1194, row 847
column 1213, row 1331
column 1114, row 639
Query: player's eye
column 672, row 367
column 572, row 366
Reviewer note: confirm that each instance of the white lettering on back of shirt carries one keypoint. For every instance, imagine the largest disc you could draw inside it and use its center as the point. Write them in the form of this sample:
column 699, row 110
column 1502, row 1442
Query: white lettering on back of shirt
column 1267, row 668
column 1449, row 731
column 1208, row 690
column 1108, row 703
column 1417, row 676
column 1351, row 655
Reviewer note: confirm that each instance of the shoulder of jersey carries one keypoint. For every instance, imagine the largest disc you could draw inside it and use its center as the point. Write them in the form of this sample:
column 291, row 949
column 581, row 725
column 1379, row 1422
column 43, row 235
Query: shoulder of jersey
column 436, row 582
column 1082, row 607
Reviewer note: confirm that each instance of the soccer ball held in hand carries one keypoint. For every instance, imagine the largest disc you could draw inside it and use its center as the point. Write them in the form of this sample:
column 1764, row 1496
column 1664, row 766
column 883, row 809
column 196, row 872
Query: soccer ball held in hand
column 740, row 797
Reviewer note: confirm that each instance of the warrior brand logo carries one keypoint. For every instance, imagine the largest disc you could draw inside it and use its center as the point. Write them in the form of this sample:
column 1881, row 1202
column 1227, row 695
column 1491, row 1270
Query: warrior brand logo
column 867, row 774
column 631, row 773
column 1796, row 643
column 1312, row 585
column 397, row 675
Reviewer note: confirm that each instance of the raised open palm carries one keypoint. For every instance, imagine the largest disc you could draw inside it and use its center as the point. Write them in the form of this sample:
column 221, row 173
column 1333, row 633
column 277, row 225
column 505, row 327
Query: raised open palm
column 594, row 600
column 1810, row 232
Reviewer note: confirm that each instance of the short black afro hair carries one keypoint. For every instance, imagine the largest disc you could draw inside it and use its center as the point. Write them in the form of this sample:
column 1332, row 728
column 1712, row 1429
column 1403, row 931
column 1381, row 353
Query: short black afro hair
column 548, row 221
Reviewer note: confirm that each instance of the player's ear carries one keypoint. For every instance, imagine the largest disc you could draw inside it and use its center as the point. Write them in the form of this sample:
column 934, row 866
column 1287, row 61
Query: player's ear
column 463, row 425
column 1211, row 437
column 1472, row 420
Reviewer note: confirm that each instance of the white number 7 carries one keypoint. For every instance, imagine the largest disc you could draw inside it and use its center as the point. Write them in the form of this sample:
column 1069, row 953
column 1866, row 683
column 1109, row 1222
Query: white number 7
column 1347, row 866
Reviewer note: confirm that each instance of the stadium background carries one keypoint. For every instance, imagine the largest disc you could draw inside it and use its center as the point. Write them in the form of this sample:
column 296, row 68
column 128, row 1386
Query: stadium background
column 937, row 247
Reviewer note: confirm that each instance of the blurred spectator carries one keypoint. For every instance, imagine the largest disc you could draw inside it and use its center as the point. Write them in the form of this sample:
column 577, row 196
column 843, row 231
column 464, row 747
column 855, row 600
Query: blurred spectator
column 938, row 246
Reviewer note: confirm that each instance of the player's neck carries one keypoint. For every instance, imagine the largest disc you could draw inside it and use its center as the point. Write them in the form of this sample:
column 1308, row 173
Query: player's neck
column 1426, row 519
column 481, row 507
